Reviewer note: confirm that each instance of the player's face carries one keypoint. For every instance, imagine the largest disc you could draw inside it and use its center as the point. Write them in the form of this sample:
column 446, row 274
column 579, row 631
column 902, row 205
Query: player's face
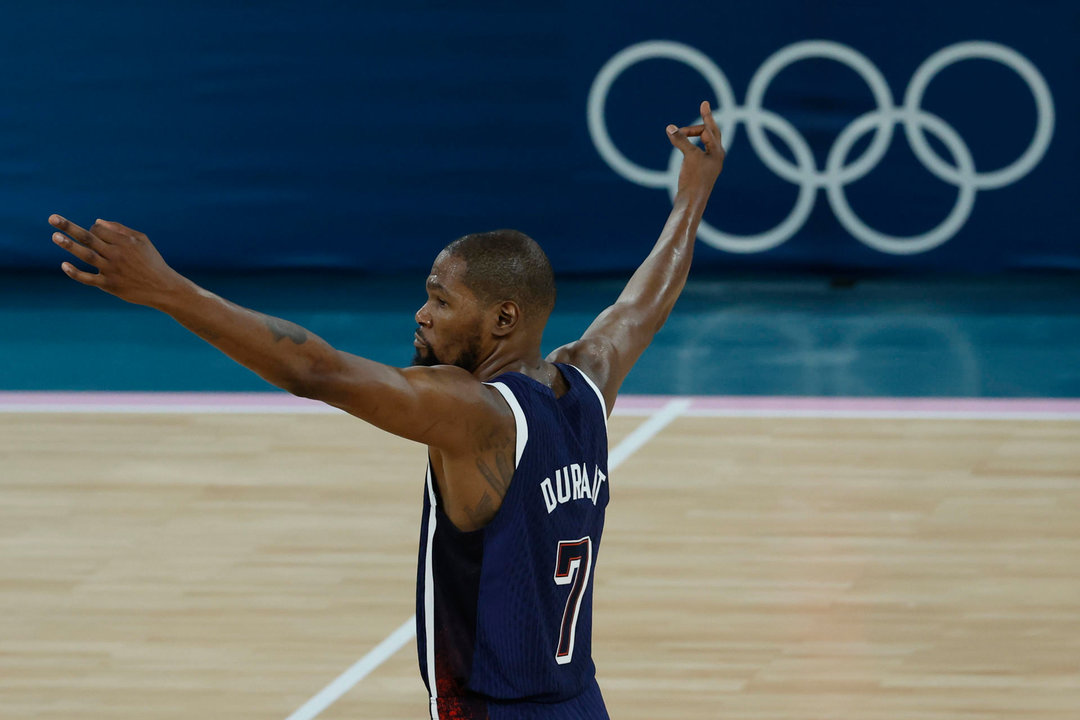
column 450, row 321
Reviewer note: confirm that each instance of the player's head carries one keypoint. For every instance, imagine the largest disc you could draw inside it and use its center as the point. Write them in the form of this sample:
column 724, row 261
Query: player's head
column 484, row 289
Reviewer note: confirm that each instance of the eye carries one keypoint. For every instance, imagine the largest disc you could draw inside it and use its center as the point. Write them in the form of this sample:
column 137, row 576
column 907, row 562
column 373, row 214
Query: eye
column 442, row 303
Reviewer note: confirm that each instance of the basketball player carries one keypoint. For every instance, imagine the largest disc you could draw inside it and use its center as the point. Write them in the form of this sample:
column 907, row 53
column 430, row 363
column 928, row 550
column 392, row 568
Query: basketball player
column 517, row 478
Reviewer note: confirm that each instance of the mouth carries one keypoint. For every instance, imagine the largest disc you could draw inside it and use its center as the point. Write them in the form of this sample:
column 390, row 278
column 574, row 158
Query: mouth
column 418, row 340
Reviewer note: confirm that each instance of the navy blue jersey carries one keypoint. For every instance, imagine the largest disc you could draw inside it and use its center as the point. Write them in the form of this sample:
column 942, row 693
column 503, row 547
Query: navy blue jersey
column 504, row 613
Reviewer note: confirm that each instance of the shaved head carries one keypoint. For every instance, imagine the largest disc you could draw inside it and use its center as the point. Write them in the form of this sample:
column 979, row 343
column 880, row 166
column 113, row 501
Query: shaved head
column 507, row 265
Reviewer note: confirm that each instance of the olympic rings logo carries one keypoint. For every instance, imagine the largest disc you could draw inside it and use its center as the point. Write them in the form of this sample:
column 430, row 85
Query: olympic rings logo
column 838, row 173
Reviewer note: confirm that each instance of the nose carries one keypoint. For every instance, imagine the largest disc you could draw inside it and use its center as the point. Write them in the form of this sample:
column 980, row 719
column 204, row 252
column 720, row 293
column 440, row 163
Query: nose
column 423, row 318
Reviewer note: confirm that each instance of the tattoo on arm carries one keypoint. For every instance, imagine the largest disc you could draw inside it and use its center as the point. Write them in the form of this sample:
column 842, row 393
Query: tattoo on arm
column 206, row 333
column 495, row 463
column 285, row 329
column 483, row 512
column 499, row 476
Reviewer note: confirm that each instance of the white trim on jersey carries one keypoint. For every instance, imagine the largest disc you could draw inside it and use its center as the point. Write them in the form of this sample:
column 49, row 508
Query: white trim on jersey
column 429, row 599
column 519, row 419
column 429, row 573
column 600, row 395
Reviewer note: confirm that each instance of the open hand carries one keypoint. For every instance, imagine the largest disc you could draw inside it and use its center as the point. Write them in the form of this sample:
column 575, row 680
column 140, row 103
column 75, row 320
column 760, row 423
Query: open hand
column 128, row 265
column 700, row 165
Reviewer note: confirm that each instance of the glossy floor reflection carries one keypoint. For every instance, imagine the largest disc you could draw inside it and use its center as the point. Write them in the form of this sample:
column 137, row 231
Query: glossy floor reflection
column 1013, row 337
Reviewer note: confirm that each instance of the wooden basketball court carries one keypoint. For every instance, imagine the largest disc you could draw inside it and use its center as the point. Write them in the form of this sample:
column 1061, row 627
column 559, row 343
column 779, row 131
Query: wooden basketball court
column 230, row 566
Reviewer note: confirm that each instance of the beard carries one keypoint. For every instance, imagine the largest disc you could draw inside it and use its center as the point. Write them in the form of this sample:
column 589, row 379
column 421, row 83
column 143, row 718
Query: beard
column 468, row 359
column 425, row 357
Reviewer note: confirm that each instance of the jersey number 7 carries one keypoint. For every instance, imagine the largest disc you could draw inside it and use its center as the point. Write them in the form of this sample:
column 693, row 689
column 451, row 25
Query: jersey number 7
column 572, row 566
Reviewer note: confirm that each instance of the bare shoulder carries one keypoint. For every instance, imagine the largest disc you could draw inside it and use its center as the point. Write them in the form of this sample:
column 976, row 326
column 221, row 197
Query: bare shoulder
column 455, row 387
column 446, row 380
column 595, row 357
column 456, row 407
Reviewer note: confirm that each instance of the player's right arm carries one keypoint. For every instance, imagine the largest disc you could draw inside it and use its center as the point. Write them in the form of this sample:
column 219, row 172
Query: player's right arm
column 620, row 334
column 437, row 406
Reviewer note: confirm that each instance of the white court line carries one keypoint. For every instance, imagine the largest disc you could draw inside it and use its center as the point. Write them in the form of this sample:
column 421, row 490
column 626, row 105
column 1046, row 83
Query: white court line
column 397, row 640
column 646, row 430
column 346, row 680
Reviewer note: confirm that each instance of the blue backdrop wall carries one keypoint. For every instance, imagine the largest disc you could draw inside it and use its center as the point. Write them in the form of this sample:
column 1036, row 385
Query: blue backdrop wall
column 861, row 135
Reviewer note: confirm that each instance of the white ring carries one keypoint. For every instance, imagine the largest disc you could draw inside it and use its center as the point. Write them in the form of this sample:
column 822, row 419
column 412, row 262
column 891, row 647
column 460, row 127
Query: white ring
column 1044, row 104
column 649, row 50
column 789, row 55
column 892, row 244
column 804, row 204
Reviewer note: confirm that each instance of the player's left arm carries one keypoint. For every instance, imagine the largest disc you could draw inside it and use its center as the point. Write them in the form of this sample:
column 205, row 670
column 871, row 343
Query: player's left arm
column 616, row 339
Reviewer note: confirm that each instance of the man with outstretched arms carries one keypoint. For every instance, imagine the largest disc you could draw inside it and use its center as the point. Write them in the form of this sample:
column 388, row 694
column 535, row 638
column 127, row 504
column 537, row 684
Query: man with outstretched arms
column 517, row 477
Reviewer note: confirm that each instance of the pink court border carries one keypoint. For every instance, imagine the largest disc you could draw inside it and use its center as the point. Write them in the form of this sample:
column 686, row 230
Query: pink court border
column 633, row 405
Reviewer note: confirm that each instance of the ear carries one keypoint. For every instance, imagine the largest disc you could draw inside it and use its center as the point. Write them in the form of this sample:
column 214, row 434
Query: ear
column 507, row 317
